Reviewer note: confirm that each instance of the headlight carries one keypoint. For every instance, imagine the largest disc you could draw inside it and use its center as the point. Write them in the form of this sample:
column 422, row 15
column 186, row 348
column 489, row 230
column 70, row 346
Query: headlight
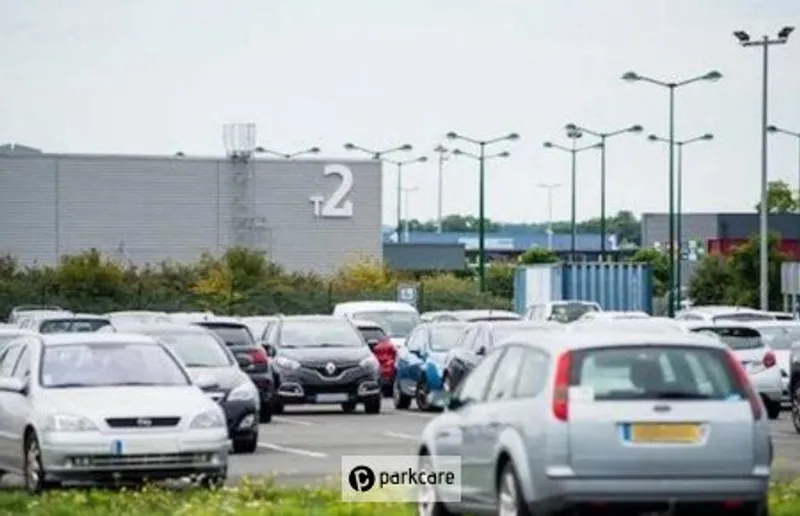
column 287, row 363
column 209, row 419
column 245, row 392
column 69, row 423
column 370, row 361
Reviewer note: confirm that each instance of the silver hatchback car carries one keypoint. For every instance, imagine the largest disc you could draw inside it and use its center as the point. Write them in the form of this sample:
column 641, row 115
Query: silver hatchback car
column 621, row 423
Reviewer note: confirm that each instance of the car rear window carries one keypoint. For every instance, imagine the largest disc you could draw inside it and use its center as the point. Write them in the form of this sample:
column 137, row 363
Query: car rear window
column 744, row 316
column 370, row 334
column 72, row 325
column 233, row 335
column 571, row 312
column 654, row 373
column 737, row 339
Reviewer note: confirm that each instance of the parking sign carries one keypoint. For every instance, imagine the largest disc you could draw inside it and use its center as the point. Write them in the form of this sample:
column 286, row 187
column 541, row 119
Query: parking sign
column 408, row 293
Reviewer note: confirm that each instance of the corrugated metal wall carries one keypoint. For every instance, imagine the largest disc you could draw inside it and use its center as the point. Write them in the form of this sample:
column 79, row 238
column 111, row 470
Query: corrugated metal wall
column 152, row 208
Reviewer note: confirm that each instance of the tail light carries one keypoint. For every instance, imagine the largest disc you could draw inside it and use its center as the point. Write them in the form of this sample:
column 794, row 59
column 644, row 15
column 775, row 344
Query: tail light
column 769, row 359
column 561, row 387
column 744, row 383
column 258, row 356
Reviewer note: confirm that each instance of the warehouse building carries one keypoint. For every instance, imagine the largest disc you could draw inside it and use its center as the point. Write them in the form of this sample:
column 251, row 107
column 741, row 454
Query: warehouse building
column 307, row 215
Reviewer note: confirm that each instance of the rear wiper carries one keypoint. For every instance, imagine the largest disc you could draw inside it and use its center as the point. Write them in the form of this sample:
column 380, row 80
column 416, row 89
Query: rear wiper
column 135, row 384
column 681, row 396
column 331, row 345
column 72, row 385
column 198, row 365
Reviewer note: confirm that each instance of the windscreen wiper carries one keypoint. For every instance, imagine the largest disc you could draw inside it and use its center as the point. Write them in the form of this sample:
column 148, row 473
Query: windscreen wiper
column 681, row 396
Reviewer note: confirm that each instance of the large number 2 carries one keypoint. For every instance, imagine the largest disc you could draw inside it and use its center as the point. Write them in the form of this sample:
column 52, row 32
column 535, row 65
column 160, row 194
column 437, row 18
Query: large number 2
column 337, row 206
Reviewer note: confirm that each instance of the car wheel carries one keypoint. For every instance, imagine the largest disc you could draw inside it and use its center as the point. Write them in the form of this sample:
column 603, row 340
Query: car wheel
column 421, row 396
column 773, row 408
column 428, row 503
column 214, row 481
column 373, row 405
column 246, row 445
column 349, row 407
column 266, row 413
column 386, row 390
column 447, row 383
column 401, row 401
column 509, row 496
column 277, row 408
column 35, row 475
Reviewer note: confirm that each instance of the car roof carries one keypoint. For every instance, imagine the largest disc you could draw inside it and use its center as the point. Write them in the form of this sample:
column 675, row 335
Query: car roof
column 16, row 331
column 482, row 313
column 67, row 339
column 319, row 317
column 158, row 327
column 221, row 321
column 657, row 324
column 569, row 340
column 521, row 324
column 371, row 306
column 70, row 316
column 720, row 309
column 739, row 324
column 446, row 324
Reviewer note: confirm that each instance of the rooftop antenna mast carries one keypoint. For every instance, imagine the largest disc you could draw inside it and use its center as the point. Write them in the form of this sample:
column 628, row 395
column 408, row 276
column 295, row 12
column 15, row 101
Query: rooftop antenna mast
column 239, row 140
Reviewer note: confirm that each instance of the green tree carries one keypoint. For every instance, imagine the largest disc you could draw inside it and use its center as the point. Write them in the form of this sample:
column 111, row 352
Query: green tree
column 538, row 255
column 500, row 280
column 711, row 280
column 780, row 198
column 659, row 262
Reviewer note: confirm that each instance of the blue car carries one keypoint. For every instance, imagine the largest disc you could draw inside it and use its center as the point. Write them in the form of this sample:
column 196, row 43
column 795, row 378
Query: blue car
column 420, row 363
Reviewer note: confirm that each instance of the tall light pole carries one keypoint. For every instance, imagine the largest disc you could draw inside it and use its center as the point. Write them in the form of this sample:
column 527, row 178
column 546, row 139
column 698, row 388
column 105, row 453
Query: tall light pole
column 574, row 135
column 400, row 165
column 380, row 155
column 407, row 191
column 288, row 155
column 444, row 155
column 679, row 195
column 765, row 42
column 550, row 187
column 482, row 157
column 603, row 137
column 777, row 130
column 711, row 76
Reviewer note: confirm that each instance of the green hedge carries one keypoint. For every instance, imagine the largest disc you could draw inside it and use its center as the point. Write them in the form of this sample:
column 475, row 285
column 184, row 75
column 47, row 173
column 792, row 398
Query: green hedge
column 248, row 499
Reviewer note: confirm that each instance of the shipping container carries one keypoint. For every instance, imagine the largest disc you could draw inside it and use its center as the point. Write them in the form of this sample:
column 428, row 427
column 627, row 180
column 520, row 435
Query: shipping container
column 614, row 285
column 536, row 284
column 790, row 247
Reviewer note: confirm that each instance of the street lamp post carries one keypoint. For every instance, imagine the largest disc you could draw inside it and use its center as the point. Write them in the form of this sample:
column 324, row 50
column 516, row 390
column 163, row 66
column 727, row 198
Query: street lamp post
column 603, row 137
column 380, row 155
column 549, row 187
column 288, row 155
column 711, row 76
column 443, row 153
column 482, row 157
column 400, row 165
column 574, row 135
column 407, row 191
column 765, row 42
column 777, row 130
column 679, row 197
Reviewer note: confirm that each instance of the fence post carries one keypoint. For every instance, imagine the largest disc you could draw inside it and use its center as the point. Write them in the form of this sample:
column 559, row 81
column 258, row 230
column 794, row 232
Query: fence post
column 330, row 296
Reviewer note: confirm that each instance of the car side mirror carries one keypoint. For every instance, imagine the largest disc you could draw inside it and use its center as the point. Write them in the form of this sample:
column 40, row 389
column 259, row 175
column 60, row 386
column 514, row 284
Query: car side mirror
column 270, row 349
column 244, row 361
column 13, row 385
column 372, row 343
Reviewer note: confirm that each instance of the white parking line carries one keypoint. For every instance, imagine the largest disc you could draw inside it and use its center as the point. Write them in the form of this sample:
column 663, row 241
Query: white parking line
column 424, row 415
column 291, row 421
column 295, row 451
column 400, row 435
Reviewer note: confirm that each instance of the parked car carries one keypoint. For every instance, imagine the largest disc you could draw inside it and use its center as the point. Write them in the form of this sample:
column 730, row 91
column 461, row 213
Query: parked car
column 723, row 313
column 565, row 311
column 9, row 333
column 420, row 364
column 18, row 312
column 210, row 362
column 70, row 323
column 758, row 359
column 383, row 349
column 251, row 356
column 105, row 407
column 322, row 359
column 257, row 324
column 611, row 315
column 582, row 423
column 478, row 339
column 473, row 316
column 647, row 324
column 397, row 319
column 137, row 316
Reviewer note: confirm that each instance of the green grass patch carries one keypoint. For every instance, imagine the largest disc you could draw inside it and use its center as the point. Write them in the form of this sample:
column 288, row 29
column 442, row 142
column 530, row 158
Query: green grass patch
column 250, row 498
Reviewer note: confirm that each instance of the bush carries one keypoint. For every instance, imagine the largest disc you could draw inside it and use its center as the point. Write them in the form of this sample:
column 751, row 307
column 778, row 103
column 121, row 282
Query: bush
column 240, row 282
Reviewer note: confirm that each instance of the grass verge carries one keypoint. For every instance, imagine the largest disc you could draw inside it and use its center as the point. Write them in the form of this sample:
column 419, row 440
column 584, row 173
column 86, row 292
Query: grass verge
column 261, row 498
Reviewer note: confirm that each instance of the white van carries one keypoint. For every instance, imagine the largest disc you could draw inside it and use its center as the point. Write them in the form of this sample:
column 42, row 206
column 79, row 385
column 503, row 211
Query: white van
column 396, row 319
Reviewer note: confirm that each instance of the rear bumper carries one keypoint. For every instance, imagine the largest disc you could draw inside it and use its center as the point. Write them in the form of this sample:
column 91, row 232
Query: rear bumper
column 769, row 384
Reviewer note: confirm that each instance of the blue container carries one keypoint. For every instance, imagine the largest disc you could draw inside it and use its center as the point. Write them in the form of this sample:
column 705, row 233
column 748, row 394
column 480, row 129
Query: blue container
column 537, row 284
column 617, row 286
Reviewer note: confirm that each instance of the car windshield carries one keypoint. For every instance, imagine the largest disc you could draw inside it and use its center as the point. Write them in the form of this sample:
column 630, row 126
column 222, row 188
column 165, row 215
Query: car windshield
column 570, row 312
column 232, row 335
column 5, row 339
column 195, row 349
column 654, row 372
column 737, row 339
column 72, row 325
column 108, row 365
column 445, row 338
column 322, row 333
column 780, row 337
column 397, row 324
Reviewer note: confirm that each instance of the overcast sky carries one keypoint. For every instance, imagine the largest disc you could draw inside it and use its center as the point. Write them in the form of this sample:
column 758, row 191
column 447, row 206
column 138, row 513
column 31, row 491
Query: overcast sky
column 157, row 76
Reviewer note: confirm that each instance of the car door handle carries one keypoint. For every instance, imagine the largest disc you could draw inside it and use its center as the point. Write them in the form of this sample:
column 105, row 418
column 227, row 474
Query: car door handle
column 444, row 434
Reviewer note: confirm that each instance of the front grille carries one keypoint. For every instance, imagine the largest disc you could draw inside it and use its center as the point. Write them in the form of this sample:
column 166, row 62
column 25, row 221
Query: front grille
column 165, row 459
column 322, row 370
column 340, row 364
column 142, row 422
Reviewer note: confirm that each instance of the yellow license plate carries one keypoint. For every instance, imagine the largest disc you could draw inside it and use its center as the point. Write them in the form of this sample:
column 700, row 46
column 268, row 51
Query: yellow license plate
column 665, row 433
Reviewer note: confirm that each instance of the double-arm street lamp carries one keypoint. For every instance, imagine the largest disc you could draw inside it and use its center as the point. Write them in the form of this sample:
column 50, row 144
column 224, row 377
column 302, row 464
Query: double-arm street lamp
column 288, row 155
column 400, row 165
column 777, row 130
column 679, row 194
column 710, row 76
column 765, row 42
column 574, row 135
column 549, row 187
column 482, row 157
column 603, row 137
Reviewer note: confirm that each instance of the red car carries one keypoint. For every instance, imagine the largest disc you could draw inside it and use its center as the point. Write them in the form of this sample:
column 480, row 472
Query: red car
column 383, row 349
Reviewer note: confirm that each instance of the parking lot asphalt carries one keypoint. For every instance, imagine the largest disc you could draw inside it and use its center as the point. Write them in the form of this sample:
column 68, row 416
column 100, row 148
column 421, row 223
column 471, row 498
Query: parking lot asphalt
column 304, row 446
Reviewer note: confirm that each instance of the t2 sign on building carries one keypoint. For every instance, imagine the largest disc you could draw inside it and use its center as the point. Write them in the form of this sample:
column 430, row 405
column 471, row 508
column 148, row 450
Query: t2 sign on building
column 408, row 293
column 338, row 205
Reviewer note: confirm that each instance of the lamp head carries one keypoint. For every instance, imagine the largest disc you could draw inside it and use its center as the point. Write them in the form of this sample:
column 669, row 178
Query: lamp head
column 349, row 146
column 314, row 150
column 785, row 32
column 742, row 36
column 574, row 134
column 713, row 76
column 631, row 76
column 457, row 152
column 504, row 154
column 512, row 137
column 405, row 147
column 452, row 136
column 422, row 159
column 772, row 129
column 180, row 154
column 548, row 145
column 635, row 129
column 707, row 136
column 653, row 138
column 570, row 127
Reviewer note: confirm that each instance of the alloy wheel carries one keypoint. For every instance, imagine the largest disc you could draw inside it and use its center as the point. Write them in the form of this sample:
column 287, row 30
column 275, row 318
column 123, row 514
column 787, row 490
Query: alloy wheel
column 426, row 493
column 421, row 395
column 33, row 466
column 507, row 497
column 796, row 409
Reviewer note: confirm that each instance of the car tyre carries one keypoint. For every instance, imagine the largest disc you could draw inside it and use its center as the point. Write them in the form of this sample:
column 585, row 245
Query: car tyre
column 447, row 383
column 214, row 481
column 421, row 396
column 349, row 407
column 35, row 476
column 509, row 495
column 428, row 503
column 277, row 408
column 266, row 413
column 773, row 409
column 373, row 405
column 387, row 390
column 246, row 445
column 401, row 401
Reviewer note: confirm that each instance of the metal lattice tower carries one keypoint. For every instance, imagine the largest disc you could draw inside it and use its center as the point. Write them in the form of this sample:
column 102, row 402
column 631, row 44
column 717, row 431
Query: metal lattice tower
column 248, row 228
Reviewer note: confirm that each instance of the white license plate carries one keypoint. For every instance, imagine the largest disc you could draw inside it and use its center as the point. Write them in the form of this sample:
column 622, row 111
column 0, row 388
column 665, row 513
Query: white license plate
column 332, row 398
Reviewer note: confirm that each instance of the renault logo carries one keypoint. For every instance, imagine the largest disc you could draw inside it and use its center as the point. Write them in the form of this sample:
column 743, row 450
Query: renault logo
column 330, row 368
column 144, row 422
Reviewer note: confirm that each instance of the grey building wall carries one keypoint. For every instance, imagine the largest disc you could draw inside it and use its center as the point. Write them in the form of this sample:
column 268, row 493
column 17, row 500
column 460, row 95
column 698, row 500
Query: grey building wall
column 424, row 257
column 745, row 225
column 149, row 209
column 694, row 226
